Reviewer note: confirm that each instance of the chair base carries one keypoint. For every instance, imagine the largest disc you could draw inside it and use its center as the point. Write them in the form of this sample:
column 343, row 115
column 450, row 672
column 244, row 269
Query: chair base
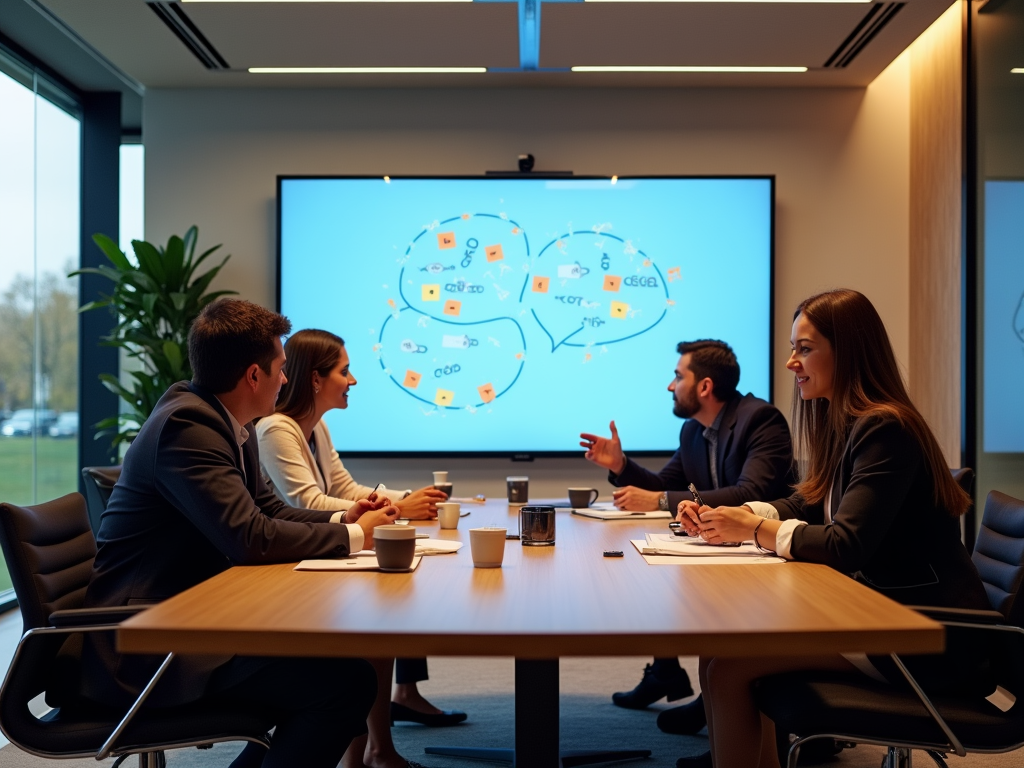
column 146, row 760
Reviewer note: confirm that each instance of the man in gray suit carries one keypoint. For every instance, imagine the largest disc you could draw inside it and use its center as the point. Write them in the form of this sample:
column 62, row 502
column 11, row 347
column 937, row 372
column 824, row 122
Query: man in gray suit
column 191, row 503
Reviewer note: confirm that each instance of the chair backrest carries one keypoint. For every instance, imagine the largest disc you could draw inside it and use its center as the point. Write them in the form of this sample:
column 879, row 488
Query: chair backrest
column 999, row 554
column 49, row 550
column 99, row 482
column 964, row 477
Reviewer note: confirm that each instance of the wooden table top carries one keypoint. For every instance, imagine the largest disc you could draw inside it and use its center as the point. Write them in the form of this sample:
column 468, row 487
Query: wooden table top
column 544, row 602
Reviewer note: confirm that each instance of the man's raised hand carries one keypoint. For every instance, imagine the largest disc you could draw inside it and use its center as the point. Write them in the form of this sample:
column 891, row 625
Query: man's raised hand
column 604, row 451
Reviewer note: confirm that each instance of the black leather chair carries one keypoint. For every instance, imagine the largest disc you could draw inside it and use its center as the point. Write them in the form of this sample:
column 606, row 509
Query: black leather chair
column 964, row 477
column 999, row 554
column 99, row 482
column 49, row 550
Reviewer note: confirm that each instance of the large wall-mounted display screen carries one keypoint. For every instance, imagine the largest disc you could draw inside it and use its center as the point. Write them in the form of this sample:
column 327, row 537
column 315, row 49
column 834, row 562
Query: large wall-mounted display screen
column 498, row 315
column 1004, row 317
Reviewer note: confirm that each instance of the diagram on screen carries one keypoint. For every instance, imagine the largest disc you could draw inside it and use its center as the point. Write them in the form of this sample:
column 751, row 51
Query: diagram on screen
column 454, row 338
column 1018, row 319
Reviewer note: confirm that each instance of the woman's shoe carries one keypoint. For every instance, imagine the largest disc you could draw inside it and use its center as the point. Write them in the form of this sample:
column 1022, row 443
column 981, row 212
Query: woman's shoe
column 696, row 761
column 443, row 720
column 683, row 720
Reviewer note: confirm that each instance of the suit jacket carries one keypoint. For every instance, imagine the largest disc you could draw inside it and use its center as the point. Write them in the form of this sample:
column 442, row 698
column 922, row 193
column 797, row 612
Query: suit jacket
column 887, row 530
column 188, row 505
column 755, row 458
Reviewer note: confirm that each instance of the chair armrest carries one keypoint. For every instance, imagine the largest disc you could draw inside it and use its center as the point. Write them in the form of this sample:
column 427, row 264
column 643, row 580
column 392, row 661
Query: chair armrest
column 960, row 615
column 88, row 617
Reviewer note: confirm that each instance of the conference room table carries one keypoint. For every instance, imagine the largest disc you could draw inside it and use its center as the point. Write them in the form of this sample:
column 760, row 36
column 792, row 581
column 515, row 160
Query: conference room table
column 542, row 604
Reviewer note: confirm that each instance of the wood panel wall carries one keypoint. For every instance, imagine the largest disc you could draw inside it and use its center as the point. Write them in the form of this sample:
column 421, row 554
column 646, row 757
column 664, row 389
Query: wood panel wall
column 936, row 172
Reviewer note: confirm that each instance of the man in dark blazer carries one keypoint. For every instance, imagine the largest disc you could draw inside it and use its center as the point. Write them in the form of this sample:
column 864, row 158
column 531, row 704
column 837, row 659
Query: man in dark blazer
column 734, row 448
column 190, row 503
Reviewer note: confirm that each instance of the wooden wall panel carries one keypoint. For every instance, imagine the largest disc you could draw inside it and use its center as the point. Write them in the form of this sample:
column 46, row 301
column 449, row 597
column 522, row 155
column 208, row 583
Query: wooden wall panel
column 936, row 170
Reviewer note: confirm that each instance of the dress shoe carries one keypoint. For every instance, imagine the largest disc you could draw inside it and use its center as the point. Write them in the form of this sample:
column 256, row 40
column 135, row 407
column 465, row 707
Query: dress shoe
column 696, row 761
column 685, row 720
column 408, row 715
column 652, row 688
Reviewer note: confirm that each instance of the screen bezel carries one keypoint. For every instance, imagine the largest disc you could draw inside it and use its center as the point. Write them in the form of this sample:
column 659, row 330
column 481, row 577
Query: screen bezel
column 530, row 455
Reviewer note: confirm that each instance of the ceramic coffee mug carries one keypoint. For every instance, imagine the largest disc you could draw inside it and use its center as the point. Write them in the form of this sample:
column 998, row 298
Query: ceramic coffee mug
column 446, row 487
column 581, row 498
column 395, row 546
column 448, row 514
column 487, row 546
column 518, row 489
column 440, row 477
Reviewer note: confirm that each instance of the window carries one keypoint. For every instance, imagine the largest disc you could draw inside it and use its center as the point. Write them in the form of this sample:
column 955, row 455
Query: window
column 40, row 158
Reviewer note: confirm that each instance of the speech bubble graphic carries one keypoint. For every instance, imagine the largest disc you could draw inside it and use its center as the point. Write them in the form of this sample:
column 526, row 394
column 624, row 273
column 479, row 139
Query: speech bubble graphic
column 607, row 290
column 466, row 365
column 470, row 261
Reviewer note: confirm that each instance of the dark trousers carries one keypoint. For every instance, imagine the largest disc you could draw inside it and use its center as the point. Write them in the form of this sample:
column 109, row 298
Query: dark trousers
column 318, row 706
column 666, row 668
column 410, row 671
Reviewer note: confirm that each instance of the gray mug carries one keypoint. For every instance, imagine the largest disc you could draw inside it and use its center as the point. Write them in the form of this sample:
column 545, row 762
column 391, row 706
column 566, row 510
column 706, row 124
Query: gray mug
column 581, row 498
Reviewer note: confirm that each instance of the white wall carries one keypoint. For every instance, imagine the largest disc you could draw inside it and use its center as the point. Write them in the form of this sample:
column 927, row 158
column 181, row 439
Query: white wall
column 840, row 157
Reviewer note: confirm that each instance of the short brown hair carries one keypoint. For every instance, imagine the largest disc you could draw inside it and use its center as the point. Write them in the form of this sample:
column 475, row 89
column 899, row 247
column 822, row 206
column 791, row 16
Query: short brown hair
column 307, row 351
column 228, row 336
column 715, row 360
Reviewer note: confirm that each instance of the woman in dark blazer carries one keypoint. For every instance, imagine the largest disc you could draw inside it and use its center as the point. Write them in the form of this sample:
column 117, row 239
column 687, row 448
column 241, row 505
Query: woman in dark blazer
column 876, row 501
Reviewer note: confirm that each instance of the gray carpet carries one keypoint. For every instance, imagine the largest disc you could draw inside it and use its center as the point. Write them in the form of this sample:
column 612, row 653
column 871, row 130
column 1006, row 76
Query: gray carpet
column 484, row 688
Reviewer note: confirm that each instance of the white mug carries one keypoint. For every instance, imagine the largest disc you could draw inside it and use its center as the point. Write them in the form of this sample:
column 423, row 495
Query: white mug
column 448, row 514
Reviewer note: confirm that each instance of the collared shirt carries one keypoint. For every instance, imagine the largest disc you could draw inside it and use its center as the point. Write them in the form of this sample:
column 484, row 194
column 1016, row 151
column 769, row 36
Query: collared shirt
column 711, row 436
column 356, row 537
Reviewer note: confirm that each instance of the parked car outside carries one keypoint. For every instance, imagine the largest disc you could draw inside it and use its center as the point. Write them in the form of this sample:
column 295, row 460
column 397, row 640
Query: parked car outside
column 24, row 420
column 66, row 425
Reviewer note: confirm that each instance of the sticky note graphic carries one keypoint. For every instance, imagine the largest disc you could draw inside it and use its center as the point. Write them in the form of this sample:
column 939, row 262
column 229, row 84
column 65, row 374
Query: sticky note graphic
column 540, row 284
column 465, row 217
column 620, row 310
column 674, row 273
column 452, row 307
column 445, row 240
column 444, row 397
column 494, row 253
column 486, row 392
column 612, row 283
column 412, row 380
column 431, row 292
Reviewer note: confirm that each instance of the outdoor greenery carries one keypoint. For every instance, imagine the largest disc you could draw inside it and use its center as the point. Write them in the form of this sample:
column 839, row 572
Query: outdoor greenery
column 154, row 300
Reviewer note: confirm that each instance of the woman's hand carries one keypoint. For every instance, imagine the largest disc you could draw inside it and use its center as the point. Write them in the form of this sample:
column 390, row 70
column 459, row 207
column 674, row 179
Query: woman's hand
column 421, row 504
column 725, row 524
column 361, row 507
column 688, row 513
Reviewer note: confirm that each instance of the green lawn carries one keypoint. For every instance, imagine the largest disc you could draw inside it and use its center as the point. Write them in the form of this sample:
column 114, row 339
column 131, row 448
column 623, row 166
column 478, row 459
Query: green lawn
column 56, row 473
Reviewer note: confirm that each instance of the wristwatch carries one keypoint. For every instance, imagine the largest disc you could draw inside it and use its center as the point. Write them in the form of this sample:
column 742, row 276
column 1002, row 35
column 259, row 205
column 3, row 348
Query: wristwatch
column 663, row 501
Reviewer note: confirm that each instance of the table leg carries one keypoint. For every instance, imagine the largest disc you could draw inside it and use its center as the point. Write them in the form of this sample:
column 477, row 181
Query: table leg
column 536, row 744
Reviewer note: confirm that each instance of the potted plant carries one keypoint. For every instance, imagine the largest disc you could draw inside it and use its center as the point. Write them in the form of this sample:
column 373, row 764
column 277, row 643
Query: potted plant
column 154, row 301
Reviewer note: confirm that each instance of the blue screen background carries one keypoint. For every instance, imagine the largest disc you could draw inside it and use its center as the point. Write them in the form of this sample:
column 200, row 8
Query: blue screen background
column 1004, row 317
column 509, row 315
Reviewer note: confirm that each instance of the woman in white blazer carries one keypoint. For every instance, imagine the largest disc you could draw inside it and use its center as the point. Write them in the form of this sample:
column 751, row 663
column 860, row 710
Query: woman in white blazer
column 298, row 459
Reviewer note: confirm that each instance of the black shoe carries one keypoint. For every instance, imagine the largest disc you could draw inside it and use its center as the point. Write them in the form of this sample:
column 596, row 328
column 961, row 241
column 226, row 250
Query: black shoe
column 443, row 720
column 685, row 720
column 696, row 761
column 652, row 688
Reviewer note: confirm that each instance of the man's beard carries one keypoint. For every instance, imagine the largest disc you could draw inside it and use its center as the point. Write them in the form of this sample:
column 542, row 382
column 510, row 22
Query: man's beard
column 687, row 408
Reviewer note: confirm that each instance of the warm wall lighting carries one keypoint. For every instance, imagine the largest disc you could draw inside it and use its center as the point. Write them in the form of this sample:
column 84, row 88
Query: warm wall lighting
column 727, row 1
column 689, row 69
column 364, row 70
column 387, row 179
column 615, row 180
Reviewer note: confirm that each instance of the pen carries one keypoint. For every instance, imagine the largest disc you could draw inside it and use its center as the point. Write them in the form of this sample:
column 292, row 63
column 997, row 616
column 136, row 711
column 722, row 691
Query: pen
column 696, row 496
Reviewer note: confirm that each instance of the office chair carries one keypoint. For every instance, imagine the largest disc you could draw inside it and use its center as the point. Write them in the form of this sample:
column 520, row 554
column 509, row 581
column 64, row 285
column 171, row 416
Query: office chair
column 99, row 482
column 999, row 554
column 50, row 551
column 818, row 705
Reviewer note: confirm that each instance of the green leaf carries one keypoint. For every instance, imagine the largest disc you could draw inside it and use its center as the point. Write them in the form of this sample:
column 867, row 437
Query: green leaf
column 179, row 300
column 95, row 305
column 112, row 252
column 173, row 354
column 174, row 257
column 201, row 259
column 150, row 261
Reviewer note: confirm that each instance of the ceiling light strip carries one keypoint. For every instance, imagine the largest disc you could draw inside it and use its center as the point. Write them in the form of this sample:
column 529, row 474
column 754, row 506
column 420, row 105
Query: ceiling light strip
column 1017, row 71
column 365, row 70
column 729, row 1
column 689, row 69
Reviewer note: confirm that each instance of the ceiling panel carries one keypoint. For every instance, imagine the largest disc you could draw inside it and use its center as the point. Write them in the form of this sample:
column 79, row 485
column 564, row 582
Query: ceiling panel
column 361, row 34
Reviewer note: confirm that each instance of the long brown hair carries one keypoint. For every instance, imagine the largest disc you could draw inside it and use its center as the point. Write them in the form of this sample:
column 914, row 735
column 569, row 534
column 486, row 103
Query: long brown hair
column 866, row 382
column 306, row 351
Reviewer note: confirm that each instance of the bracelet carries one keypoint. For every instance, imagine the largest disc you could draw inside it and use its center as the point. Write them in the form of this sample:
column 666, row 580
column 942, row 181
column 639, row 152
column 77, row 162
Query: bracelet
column 757, row 543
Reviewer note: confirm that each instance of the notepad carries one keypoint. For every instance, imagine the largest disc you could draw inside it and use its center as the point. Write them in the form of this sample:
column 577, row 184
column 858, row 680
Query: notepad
column 365, row 560
column 687, row 546
column 640, row 544
column 437, row 547
column 605, row 511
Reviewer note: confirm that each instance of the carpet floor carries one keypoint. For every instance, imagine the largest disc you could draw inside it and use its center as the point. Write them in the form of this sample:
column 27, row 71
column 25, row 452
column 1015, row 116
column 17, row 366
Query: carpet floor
column 484, row 688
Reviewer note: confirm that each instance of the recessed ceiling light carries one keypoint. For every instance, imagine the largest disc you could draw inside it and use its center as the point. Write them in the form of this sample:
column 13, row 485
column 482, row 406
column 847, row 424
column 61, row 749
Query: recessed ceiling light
column 689, row 69
column 363, row 70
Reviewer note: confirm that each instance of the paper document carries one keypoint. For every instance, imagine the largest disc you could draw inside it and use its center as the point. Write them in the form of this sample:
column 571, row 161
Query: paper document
column 365, row 560
column 686, row 546
column 693, row 561
column 437, row 547
column 605, row 510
